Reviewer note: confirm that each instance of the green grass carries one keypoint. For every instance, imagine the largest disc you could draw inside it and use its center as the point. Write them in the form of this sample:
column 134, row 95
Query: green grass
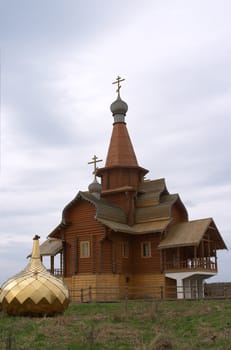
column 178, row 325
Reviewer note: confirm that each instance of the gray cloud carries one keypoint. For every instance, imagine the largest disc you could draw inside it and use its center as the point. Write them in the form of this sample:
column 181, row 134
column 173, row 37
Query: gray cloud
column 58, row 60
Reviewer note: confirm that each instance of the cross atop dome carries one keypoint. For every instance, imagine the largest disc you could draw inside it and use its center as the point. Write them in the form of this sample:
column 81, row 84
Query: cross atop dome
column 95, row 160
column 95, row 188
column 119, row 108
column 118, row 81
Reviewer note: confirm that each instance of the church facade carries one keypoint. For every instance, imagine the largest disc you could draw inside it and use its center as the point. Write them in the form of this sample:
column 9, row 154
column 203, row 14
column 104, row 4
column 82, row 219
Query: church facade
column 129, row 233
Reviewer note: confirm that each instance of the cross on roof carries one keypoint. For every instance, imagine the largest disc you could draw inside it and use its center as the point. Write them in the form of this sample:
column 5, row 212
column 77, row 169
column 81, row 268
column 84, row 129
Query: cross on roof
column 94, row 161
column 118, row 81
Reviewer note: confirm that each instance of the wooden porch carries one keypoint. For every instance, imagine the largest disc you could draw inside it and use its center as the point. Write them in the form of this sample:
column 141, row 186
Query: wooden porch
column 191, row 247
column 205, row 264
column 190, row 258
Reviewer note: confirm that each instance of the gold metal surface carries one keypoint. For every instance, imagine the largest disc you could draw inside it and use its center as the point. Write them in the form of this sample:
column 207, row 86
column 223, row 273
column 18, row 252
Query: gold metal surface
column 34, row 291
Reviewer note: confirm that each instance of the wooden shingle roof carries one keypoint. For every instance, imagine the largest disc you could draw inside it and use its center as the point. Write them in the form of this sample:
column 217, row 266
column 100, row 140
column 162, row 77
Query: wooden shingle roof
column 120, row 152
column 190, row 233
column 114, row 217
column 146, row 227
column 51, row 247
column 152, row 214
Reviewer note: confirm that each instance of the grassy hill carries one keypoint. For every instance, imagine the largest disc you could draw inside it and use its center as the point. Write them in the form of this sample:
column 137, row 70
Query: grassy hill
column 183, row 325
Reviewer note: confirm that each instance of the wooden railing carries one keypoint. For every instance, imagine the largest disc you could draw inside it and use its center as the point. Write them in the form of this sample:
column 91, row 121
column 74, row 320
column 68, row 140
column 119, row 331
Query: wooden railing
column 204, row 263
column 148, row 293
column 56, row 272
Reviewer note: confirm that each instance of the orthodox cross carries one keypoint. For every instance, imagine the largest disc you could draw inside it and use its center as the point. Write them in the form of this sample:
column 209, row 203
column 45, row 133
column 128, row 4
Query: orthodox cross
column 94, row 161
column 118, row 81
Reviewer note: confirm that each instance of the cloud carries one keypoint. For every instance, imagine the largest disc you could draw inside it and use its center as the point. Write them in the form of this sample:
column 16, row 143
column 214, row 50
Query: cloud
column 58, row 61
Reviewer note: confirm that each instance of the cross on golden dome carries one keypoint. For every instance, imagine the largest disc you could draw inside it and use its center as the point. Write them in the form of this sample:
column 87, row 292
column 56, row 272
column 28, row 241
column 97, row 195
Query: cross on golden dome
column 118, row 81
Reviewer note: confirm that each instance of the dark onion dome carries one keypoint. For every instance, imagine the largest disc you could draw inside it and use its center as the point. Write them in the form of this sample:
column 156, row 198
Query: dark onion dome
column 119, row 107
column 95, row 188
column 34, row 291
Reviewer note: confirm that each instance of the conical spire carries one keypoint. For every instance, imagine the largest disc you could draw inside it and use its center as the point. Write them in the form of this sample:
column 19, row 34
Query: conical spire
column 120, row 151
column 121, row 173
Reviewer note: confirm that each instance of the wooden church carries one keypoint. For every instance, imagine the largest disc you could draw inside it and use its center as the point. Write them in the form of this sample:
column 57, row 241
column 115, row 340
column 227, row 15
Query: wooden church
column 129, row 233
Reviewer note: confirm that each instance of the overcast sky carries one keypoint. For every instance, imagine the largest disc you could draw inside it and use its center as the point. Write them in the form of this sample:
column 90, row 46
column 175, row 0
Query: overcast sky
column 58, row 61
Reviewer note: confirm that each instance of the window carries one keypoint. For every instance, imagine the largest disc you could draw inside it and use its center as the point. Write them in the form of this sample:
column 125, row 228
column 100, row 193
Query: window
column 146, row 249
column 84, row 249
column 125, row 249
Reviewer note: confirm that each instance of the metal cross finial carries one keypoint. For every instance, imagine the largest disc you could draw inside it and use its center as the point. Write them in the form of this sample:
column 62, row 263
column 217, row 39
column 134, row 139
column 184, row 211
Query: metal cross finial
column 118, row 81
column 94, row 161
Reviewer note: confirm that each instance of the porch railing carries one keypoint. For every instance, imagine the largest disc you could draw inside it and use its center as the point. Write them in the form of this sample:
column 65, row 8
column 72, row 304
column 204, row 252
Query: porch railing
column 56, row 272
column 204, row 263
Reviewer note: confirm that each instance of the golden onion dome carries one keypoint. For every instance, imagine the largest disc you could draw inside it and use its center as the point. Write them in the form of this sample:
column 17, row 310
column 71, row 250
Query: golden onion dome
column 34, row 291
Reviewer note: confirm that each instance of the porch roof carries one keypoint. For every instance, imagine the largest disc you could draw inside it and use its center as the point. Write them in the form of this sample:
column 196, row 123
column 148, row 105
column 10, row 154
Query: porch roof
column 51, row 247
column 190, row 233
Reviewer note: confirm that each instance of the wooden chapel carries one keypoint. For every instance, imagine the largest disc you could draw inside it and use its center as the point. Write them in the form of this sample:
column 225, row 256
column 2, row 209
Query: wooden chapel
column 128, row 232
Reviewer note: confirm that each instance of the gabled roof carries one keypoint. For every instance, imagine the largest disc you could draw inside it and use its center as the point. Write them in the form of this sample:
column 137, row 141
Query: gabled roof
column 150, row 192
column 154, row 201
column 152, row 215
column 115, row 218
column 104, row 209
column 190, row 234
column 160, row 210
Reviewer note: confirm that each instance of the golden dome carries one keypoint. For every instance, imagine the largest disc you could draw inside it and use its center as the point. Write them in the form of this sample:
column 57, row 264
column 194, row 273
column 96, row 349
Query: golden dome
column 34, row 291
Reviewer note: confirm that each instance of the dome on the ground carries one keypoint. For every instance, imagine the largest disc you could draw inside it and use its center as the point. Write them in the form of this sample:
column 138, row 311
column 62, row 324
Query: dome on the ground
column 34, row 291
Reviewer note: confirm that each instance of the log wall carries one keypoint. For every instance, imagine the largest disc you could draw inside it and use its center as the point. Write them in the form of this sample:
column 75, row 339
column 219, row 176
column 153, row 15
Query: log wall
column 83, row 228
column 114, row 287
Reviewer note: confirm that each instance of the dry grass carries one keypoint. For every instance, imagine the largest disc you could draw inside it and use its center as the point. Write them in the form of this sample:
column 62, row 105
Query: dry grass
column 178, row 325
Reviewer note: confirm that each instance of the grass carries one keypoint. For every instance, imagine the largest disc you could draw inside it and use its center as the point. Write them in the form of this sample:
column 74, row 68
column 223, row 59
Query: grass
column 178, row 325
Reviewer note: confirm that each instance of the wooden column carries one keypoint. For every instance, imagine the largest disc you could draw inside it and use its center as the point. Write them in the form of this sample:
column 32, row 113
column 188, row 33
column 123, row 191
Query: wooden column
column 195, row 256
column 76, row 255
column 209, row 251
column 203, row 253
column 178, row 257
column 61, row 263
column 164, row 259
column 113, row 243
column 161, row 261
column 52, row 263
column 100, row 257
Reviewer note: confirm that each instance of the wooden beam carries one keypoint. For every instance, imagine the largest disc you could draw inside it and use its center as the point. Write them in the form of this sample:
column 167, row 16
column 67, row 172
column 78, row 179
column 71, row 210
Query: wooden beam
column 178, row 256
column 161, row 261
column 52, row 263
column 76, row 255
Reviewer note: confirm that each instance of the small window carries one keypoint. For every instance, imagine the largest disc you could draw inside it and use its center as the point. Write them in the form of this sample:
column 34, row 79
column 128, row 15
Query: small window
column 84, row 249
column 125, row 249
column 146, row 249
